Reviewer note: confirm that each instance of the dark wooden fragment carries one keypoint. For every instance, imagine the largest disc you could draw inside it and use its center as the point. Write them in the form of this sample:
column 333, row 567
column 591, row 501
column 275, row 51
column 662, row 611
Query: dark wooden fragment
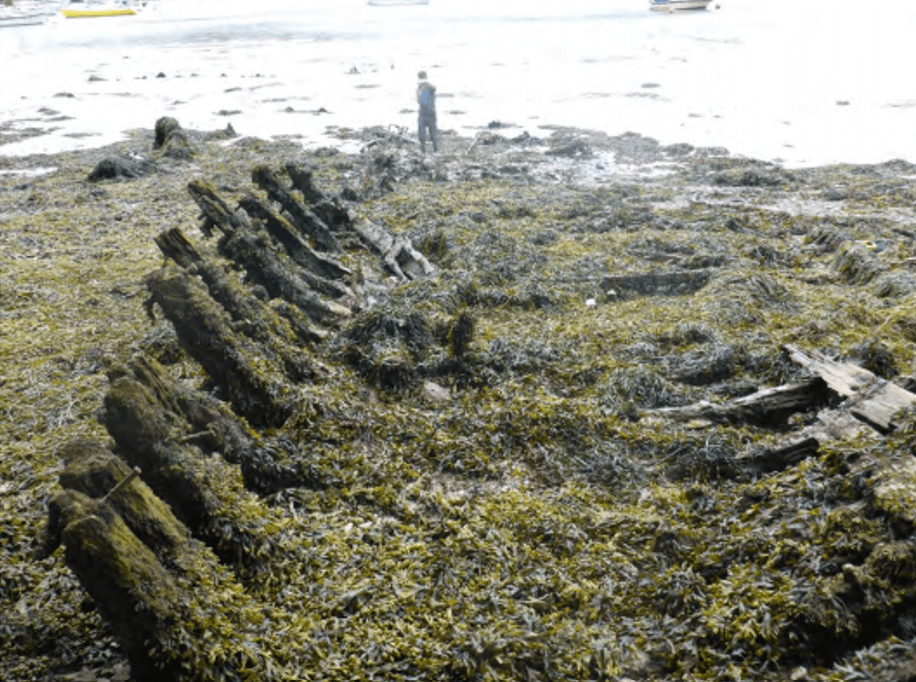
column 92, row 469
column 322, row 266
column 128, row 584
column 657, row 283
column 205, row 493
column 255, row 319
column 327, row 209
column 251, row 380
column 205, row 422
column 303, row 218
column 264, row 266
column 784, row 455
column 125, row 546
column 216, row 213
column 769, row 407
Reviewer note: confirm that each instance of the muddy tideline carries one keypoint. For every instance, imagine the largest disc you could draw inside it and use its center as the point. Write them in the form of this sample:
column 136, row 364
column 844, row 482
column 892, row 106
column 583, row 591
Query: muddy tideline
column 534, row 439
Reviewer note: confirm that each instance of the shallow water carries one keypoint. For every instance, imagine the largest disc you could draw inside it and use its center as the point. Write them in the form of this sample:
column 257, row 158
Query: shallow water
column 800, row 83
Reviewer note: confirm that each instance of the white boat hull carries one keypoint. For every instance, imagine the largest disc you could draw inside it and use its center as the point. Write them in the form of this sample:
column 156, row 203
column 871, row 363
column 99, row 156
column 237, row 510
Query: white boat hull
column 672, row 5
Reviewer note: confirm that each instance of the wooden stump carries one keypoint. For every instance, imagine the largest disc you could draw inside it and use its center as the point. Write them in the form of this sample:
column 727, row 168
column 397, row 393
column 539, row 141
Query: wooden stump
column 252, row 381
column 126, row 547
column 132, row 590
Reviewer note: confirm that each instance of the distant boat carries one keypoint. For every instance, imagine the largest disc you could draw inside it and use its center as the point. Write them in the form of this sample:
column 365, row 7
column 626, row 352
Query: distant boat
column 77, row 9
column 386, row 3
column 672, row 5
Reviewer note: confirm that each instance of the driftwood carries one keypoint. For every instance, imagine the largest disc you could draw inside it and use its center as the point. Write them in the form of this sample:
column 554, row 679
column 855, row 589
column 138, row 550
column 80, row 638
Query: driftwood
column 397, row 253
column 303, row 217
column 658, row 283
column 769, row 407
column 241, row 368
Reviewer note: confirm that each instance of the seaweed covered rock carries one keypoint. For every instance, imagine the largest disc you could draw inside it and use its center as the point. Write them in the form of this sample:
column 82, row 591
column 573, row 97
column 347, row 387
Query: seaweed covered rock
column 171, row 140
column 126, row 167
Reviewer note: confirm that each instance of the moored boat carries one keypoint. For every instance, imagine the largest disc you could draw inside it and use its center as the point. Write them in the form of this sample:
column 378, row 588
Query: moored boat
column 386, row 3
column 77, row 9
column 672, row 5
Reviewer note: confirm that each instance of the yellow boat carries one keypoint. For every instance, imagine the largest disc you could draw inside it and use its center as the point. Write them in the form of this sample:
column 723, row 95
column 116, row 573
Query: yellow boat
column 89, row 11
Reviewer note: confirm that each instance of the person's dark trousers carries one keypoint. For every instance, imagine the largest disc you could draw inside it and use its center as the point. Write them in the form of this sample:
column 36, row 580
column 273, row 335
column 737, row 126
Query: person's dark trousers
column 424, row 123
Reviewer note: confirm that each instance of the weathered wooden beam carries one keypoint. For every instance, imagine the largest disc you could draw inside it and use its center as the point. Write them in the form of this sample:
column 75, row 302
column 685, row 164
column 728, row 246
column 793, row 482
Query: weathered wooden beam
column 128, row 584
column 784, row 455
column 396, row 252
column 263, row 266
column 873, row 400
column 253, row 384
column 769, row 407
column 126, row 547
column 207, row 423
column 254, row 318
column 303, row 217
column 329, row 210
column 301, row 253
column 216, row 212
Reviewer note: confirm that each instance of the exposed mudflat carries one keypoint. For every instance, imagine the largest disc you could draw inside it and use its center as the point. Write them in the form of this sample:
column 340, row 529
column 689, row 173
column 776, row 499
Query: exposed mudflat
column 496, row 490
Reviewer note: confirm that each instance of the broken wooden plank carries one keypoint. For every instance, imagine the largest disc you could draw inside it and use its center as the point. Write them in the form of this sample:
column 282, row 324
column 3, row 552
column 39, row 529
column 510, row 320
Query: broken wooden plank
column 874, row 401
column 770, row 406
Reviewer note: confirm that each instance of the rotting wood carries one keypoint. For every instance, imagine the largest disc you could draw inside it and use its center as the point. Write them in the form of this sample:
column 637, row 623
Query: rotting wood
column 328, row 209
column 258, row 320
column 264, row 267
column 303, row 217
column 213, row 428
column 133, row 592
column 215, row 212
column 126, row 550
column 204, row 492
column 397, row 253
column 657, row 283
column 769, row 407
column 318, row 266
column 784, row 455
column 92, row 469
column 234, row 362
column 873, row 400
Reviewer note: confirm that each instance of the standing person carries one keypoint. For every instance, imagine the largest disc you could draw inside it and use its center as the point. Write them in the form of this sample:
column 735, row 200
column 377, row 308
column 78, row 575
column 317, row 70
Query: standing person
column 426, row 98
